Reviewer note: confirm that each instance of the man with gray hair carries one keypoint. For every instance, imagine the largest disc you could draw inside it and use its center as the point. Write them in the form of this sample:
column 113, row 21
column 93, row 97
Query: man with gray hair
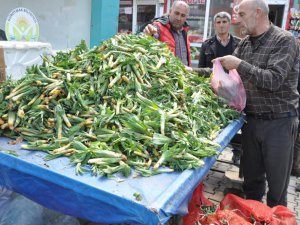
column 173, row 30
column 267, row 62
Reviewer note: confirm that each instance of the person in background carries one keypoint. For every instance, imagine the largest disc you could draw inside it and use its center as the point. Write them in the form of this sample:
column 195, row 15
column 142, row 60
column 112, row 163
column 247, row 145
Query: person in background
column 267, row 62
column 296, row 160
column 173, row 29
column 2, row 35
column 223, row 43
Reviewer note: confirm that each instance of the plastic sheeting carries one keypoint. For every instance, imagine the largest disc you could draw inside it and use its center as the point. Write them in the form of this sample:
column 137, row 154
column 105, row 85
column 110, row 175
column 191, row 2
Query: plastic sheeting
column 55, row 185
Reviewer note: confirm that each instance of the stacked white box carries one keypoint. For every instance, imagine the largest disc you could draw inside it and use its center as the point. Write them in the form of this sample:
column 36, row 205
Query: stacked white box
column 15, row 57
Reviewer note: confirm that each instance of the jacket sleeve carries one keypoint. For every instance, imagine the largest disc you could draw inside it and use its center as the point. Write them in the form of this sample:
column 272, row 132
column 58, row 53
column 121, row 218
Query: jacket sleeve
column 203, row 71
column 202, row 58
column 280, row 63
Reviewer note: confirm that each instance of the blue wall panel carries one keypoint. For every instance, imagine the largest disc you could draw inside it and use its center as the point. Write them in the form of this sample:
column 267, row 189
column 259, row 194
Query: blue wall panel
column 104, row 21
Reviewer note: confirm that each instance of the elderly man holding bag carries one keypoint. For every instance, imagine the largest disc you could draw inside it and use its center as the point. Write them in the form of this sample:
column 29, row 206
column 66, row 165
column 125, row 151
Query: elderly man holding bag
column 267, row 61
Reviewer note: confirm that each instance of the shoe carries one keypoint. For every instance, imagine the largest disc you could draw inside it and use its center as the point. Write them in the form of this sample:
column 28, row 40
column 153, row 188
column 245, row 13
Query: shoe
column 295, row 172
column 236, row 158
column 297, row 188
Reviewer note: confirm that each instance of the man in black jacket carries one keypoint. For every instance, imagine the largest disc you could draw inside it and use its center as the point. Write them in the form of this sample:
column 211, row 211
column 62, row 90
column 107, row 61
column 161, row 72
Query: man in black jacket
column 223, row 43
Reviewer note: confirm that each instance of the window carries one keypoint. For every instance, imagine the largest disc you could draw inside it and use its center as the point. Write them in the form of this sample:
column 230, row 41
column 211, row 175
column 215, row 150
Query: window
column 125, row 17
column 196, row 22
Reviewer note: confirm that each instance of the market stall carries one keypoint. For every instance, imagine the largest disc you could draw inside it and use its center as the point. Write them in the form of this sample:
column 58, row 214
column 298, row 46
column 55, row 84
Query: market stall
column 133, row 200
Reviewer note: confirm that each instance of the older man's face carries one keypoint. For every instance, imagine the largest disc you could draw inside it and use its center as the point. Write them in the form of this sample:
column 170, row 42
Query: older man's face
column 178, row 16
column 247, row 18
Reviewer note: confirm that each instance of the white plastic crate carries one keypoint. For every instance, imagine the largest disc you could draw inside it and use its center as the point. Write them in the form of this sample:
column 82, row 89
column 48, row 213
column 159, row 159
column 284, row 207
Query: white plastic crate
column 15, row 57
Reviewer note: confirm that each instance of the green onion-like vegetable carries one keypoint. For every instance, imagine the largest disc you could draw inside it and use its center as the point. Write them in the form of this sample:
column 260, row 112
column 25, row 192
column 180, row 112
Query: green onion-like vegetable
column 128, row 103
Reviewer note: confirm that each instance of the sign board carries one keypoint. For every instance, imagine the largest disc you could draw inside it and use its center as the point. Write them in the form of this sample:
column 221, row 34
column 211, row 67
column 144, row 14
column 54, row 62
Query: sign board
column 194, row 2
column 21, row 25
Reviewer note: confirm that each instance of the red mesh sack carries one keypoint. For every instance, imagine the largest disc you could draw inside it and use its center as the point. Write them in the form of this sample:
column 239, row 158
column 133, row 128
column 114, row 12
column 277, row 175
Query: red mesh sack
column 283, row 216
column 257, row 211
column 198, row 199
column 222, row 217
column 247, row 208
column 228, row 86
column 230, row 217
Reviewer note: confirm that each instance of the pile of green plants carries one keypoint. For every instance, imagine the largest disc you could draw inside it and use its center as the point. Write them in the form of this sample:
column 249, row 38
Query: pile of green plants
column 128, row 103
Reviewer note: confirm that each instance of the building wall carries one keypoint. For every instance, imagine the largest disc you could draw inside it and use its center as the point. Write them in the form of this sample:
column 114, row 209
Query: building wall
column 62, row 23
column 104, row 20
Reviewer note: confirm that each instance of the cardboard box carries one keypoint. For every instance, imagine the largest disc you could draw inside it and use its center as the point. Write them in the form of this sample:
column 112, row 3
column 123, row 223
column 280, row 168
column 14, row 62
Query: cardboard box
column 15, row 57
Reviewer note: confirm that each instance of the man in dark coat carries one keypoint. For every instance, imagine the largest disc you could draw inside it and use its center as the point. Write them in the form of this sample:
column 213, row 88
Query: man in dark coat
column 223, row 43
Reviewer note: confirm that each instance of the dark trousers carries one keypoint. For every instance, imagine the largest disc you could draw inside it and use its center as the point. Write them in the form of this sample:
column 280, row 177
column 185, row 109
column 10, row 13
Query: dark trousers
column 267, row 156
column 296, row 162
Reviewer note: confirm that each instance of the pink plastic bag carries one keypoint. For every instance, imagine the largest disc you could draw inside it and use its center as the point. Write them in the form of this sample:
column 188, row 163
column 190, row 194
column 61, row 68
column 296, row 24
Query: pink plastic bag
column 228, row 86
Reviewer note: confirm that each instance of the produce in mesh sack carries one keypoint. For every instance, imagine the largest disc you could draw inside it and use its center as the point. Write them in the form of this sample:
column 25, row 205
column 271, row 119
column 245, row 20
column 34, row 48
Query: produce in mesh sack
column 127, row 103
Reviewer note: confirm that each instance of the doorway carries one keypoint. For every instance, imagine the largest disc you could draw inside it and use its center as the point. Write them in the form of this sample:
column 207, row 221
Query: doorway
column 276, row 14
column 143, row 12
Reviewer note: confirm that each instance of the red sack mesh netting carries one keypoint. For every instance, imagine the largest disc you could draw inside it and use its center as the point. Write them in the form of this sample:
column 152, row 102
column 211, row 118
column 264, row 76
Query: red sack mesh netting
column 255, row 211
column 195, row 213
column 234, row 210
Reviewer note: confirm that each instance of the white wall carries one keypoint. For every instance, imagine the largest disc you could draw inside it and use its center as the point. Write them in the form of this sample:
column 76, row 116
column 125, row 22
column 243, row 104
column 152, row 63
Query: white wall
column 62, row 23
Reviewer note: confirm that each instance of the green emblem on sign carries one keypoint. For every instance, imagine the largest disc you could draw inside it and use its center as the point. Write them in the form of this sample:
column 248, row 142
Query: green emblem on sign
column 21, row 25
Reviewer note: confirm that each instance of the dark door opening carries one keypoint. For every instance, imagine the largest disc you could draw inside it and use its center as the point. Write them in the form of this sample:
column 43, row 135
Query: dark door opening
column 276, row 14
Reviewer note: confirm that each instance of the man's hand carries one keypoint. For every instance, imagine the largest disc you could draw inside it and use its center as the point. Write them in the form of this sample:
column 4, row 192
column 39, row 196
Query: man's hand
column 150, row 30
column 188, row 69
column 229, row 62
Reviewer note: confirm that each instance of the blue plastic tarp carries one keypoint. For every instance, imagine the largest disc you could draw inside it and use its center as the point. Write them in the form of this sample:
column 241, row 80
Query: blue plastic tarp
column 55, row 185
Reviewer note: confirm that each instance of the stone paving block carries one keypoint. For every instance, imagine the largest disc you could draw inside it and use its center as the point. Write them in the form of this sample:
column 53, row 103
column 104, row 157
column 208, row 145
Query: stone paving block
column 213, row 181
column 221, row 167
column 291, row 190
column 291, row 206
column 293, row 178
column 208, row 195
column 234, row 168
column 209, row 188
column 292, row 183
column 226, row 154
column 218, row 196
column 291, row 198
column 218, row 175
column 220, row 188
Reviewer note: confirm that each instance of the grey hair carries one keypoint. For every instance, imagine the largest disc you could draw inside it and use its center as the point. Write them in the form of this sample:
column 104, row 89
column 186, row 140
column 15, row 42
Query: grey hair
column 222, row 15
column 262, row 4
column 181, row 2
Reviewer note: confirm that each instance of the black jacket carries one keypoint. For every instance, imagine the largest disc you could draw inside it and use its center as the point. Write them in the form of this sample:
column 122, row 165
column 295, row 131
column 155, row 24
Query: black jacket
column 208, row 51
column 2, row 36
